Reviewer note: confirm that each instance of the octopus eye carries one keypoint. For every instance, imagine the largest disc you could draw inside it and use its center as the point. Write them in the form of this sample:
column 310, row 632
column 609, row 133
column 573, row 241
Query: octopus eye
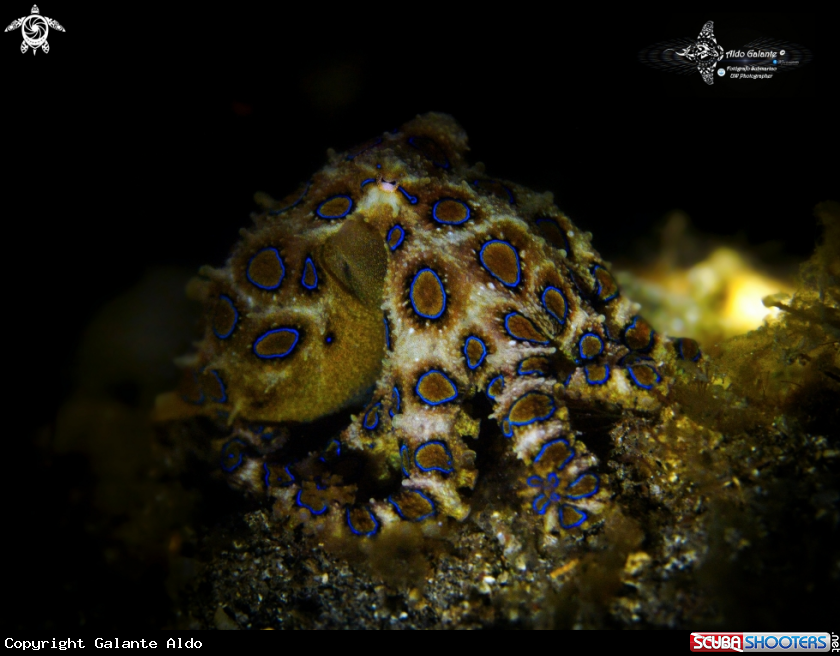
column 501, row 261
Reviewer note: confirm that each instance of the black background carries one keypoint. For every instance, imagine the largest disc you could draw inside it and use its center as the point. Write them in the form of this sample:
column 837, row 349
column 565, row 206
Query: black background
column 140, row 138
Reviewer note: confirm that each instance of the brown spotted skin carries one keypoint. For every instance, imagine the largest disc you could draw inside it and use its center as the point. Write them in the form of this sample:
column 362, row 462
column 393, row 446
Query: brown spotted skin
column 361, row 289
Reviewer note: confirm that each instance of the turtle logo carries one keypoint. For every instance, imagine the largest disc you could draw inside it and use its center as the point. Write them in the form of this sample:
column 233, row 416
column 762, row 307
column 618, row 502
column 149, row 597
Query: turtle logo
column 35, row 29
column 706, row 53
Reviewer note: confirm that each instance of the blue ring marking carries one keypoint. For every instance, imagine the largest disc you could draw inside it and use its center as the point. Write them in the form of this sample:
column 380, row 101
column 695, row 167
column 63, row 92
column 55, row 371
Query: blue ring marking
column 310, row 265
column 630, row 327
column 271, row 332
column 483, row 352
column 598, row 287
column 285, row 469
column 201, row 396
column 553, row 481
column 533, row 419
column 636, row 380
column 597, row 382
column 583, row 516
column 632, row 358
column 363, row 533
column 263, row 432
column 521, row 339
column 507, row 429
column 490, row 384
column 401, row 239
column 422, row 517
column 552, row 443
column 223, row 398
column 529, row 372
column 443, row 165
column 228, row 456
column 367, row 181
column 562, row 321
column 442, row 291
column 411, row 199
column 456, row 200
column 329, row 444
column 372, row 422
column 588, row 494
column 580, row 346
column 515, row 255
column 682, row 355
column 540, row 504
column 503, row 186
column 295, row 204
column 534, row 481
column 308, row 507
column 387, row 333
column 427, row 401
column 227, row 299
column 395, row 402
column 280, row 262
column 440, row 469
column 403, row 449
column 547, row 219
column 330, row 217
column 354, row 155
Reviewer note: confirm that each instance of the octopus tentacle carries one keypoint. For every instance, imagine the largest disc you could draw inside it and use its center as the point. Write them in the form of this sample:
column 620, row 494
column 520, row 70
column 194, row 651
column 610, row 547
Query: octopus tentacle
column 404, row 286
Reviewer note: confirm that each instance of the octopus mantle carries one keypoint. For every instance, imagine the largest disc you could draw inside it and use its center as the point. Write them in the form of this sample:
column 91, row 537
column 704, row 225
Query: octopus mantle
column 403, row 281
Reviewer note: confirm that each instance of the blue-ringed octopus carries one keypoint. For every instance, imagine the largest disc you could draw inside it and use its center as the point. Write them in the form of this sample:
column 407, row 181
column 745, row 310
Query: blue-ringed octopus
column 408, row 290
